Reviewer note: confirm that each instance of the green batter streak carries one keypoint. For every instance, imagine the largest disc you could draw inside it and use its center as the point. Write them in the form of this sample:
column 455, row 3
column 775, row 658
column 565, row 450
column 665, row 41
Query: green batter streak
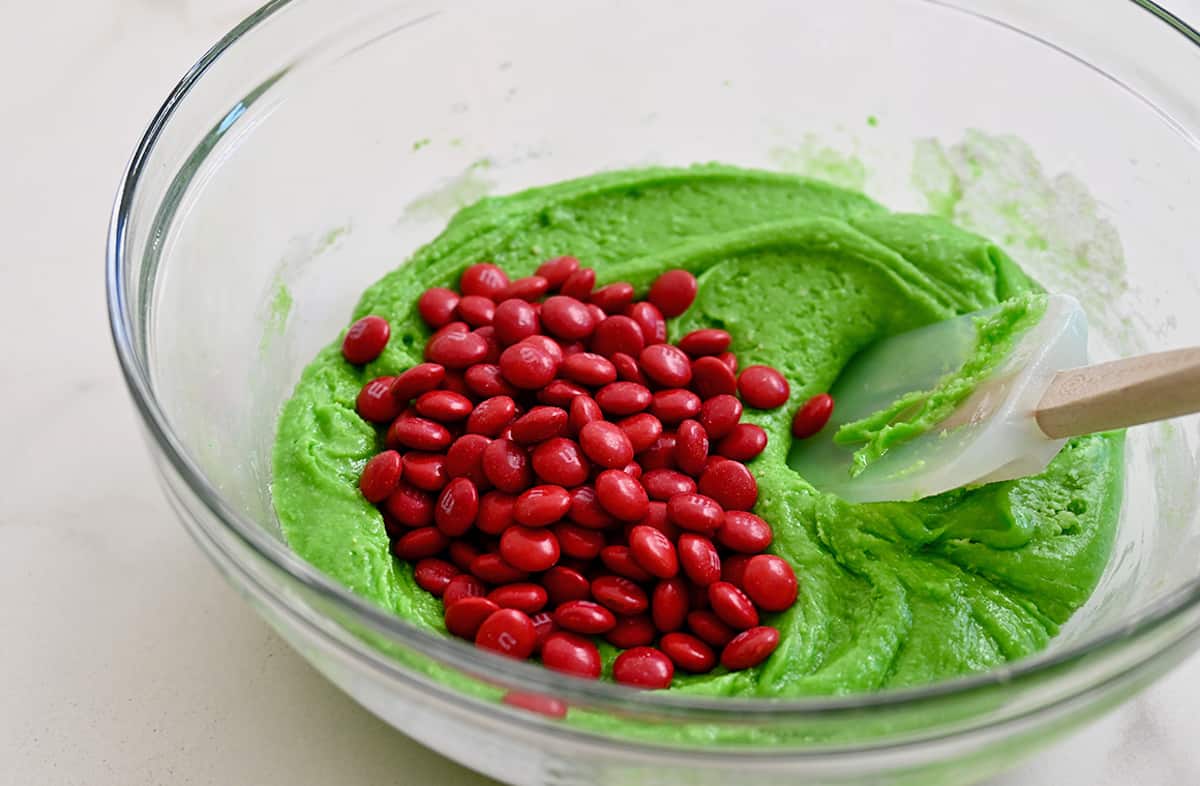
column 803, row 275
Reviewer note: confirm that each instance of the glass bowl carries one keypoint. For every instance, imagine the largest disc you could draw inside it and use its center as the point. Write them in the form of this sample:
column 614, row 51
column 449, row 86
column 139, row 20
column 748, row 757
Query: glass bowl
column 318, row 144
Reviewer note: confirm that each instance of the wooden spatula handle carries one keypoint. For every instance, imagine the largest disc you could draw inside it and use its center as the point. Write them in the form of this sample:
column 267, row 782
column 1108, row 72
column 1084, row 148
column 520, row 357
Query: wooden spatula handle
column 1121, row 393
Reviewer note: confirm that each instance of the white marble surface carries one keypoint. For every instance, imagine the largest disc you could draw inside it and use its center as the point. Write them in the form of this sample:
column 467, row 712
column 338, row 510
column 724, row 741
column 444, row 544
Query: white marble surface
column 126, row 659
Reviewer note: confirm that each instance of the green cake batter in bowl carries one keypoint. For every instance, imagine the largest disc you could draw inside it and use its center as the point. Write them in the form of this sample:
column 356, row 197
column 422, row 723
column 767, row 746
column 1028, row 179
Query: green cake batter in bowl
column 803, row 275
column 325, row 149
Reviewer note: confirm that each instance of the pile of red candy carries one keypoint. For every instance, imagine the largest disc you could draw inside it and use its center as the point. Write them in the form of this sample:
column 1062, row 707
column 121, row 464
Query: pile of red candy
column 557, row 471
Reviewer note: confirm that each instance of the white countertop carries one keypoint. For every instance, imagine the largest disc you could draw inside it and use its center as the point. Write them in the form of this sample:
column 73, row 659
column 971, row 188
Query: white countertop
column 126, row 658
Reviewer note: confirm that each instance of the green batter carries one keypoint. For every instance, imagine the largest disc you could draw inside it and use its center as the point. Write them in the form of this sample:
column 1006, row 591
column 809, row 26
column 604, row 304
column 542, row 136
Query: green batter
column 803, row 275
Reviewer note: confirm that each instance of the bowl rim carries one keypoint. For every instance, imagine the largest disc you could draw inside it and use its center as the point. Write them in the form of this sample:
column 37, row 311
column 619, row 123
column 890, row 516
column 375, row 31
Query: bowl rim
column 529, row 676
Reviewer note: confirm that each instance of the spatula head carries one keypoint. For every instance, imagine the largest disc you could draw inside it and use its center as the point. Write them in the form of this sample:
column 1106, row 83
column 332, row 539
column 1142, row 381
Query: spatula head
column 991, row 435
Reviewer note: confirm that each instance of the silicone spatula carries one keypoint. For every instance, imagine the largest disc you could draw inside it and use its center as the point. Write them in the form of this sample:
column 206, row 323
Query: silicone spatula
column 1013, row 422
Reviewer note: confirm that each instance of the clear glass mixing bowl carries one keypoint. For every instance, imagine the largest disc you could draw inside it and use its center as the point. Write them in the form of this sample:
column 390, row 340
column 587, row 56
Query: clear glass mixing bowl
column 319, row 143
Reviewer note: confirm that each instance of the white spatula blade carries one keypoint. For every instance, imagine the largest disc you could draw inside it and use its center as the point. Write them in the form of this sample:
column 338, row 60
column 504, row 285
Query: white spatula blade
column 991, row 436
